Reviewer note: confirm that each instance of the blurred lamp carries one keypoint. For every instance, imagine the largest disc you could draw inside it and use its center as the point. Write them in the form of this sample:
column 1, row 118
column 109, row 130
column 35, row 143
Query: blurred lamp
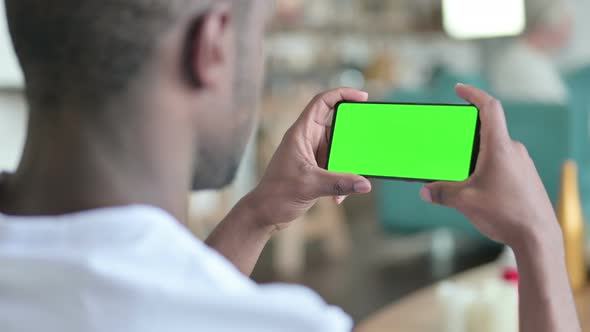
column 474, row 19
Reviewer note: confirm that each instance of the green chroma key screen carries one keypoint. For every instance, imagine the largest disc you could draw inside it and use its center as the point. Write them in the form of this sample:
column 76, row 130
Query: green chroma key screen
column 405, row 141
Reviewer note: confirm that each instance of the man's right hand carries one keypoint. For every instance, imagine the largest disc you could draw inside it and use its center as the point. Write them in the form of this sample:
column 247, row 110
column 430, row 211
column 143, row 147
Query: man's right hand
column 505, row 198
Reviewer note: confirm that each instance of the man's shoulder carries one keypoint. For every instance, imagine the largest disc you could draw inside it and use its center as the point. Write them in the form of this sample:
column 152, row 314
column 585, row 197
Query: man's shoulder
column 143, row 258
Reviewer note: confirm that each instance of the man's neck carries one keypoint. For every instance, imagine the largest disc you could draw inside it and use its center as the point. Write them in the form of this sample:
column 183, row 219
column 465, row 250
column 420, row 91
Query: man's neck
column 75, row 166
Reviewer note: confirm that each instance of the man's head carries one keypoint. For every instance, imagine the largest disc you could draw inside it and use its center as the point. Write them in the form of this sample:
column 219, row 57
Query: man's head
column 549, row 23
column 195, row 60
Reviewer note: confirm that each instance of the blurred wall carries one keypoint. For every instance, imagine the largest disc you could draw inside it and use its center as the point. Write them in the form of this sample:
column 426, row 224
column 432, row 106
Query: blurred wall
column 13, row 117
column 12, row 106
column 10, row 75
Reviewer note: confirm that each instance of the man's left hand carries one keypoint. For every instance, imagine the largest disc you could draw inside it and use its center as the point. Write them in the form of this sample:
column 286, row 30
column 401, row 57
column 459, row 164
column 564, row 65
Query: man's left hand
column 295, row 178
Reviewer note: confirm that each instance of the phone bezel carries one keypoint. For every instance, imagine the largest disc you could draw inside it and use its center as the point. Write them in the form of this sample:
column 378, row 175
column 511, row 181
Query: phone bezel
column 474, row 150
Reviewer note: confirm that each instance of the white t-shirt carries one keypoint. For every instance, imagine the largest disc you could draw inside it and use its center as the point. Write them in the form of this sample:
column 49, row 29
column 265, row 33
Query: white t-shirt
column 136, row 269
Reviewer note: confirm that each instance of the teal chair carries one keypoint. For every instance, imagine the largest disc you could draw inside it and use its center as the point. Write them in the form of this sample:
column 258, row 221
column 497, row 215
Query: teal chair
column 441, row 89
column 578, row 83
column 544, row 129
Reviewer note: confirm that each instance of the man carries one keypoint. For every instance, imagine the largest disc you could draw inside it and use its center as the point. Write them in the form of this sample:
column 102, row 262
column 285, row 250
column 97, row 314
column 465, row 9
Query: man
column 525, row 68
column 132, row 103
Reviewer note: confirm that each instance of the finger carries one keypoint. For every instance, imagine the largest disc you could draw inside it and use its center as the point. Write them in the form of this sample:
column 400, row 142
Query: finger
column 320, row 108
column 520, row 147
column 339, row 184
column 491, row 112
column 473, row 95
column 442, row 193
column 313, row 125
column 322, row 152
column 340, row 199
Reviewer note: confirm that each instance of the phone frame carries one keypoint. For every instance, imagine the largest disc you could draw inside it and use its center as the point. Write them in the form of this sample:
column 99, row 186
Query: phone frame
column 474, row 150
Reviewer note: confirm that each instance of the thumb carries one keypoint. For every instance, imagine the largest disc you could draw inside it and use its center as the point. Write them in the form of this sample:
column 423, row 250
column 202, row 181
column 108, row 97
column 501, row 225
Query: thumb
column 339, row 184
column 442, row 193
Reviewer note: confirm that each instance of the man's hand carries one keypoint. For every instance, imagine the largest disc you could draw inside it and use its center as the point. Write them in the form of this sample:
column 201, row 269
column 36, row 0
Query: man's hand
column 294, row 181
column 295, row 178
column 506, row 200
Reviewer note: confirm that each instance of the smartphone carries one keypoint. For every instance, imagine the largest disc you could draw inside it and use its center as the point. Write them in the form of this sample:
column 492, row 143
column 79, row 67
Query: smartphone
column 419, row 142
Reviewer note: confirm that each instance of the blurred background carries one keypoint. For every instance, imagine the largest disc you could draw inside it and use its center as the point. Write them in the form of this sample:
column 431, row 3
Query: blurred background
column 374, row 250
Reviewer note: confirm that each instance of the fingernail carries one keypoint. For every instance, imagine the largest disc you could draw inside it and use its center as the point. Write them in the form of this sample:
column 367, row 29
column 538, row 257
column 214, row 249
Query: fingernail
column 366, row 93
column 460, row 84
column 361, row 187
column 426, row 195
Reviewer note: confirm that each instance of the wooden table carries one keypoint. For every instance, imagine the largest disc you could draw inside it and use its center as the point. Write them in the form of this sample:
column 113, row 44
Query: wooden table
column 421, row 312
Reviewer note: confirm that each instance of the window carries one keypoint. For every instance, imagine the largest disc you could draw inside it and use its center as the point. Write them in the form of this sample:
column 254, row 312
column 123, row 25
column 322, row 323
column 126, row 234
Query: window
column 471, row 19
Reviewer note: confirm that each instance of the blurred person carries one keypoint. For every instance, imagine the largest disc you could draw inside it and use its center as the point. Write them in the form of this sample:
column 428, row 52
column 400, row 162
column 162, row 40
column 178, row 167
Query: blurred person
column 135, row 102
column 577, row 54
column 524, row 68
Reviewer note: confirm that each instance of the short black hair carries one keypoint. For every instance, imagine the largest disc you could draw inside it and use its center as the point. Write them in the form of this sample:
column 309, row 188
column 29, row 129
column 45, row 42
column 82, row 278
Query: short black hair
column 87, row 51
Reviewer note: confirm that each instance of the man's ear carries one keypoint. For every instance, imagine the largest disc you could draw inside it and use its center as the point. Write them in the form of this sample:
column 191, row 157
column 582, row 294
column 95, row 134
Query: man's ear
column 209, row 46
